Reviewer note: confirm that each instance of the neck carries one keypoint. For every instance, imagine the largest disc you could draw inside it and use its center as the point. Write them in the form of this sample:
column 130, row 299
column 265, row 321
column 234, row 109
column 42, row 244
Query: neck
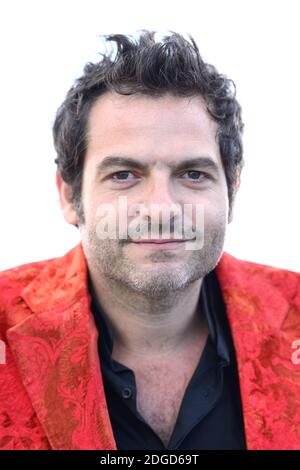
column 156, row 327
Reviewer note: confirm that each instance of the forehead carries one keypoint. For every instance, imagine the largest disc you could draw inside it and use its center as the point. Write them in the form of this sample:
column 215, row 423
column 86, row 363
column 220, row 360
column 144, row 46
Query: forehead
column 166, row 127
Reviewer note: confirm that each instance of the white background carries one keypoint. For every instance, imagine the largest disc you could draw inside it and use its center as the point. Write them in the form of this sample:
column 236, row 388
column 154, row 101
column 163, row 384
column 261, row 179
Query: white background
column 44, row 46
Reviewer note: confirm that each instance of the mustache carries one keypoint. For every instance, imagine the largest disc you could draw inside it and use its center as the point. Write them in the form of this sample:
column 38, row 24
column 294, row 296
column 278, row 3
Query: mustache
column 169, row 229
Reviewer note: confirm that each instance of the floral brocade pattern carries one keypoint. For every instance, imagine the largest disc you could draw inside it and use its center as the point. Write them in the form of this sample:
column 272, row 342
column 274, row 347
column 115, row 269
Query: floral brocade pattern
column 51, row 388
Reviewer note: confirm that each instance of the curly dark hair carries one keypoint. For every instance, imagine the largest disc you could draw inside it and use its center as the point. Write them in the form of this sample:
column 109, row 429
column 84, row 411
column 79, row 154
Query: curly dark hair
column 146, row 66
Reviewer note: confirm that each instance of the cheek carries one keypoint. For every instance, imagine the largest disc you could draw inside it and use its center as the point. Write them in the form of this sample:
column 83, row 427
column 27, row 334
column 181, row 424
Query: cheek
column 215, row 221
column 93, row 204
column 213, row 212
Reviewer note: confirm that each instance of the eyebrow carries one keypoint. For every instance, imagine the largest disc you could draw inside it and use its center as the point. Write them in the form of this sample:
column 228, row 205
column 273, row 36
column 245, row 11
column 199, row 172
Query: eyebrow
column 117, row 161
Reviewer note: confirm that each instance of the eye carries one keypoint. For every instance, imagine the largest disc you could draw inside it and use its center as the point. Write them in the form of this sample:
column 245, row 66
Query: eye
column 195, row 175
column 120, row 176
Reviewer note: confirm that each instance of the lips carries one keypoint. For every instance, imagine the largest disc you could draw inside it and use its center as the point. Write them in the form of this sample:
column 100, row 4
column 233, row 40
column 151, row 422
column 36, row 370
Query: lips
column 161, row 241
column 166, row 244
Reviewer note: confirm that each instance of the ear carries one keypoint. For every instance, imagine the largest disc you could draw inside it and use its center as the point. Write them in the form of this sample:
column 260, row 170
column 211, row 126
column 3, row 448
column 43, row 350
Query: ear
column 68, row 210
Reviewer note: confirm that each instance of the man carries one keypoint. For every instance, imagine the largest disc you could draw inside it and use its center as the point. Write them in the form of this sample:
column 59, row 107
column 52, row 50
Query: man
column 140, row 341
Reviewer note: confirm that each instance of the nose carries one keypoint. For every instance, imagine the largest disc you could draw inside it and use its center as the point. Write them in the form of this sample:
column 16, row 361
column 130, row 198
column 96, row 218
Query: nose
column 160, row 199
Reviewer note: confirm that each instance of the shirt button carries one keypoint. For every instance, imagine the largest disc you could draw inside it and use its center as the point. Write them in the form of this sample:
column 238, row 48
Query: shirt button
column 126, row 392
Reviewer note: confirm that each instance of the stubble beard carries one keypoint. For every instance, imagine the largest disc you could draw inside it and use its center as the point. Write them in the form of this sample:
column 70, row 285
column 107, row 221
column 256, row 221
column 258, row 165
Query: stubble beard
column 163, row 275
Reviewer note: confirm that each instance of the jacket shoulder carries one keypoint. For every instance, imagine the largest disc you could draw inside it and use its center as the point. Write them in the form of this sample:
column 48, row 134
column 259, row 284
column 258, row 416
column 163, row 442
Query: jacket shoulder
column 280, row 278
column 14, row 279
column 275, row 290
column 230, row 258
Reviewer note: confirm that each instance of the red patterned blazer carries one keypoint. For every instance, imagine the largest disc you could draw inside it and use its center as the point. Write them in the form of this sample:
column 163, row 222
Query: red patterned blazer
column 51, row 389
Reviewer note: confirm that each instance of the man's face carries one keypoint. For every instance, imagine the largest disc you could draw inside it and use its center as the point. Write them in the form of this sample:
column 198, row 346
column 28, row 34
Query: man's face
column 159, row 133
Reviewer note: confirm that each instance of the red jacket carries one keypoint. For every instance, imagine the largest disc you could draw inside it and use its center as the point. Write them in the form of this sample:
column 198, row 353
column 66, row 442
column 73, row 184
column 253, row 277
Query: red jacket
column 51, row 389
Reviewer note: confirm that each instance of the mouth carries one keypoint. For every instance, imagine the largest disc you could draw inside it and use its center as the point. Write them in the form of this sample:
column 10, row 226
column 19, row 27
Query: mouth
column 161, row 244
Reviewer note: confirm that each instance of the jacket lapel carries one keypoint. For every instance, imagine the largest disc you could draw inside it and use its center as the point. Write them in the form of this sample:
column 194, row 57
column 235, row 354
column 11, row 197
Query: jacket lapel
column 56, row 350
column 269, row 381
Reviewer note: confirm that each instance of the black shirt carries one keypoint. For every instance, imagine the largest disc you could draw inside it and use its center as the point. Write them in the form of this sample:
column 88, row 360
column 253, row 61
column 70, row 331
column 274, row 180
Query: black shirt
column 210, row 416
